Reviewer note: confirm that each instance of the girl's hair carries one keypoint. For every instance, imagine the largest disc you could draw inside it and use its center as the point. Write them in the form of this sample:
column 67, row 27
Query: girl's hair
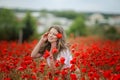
column 61, row 43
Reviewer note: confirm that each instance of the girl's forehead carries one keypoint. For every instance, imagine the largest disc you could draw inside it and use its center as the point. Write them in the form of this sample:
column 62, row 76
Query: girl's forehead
column 54, row 31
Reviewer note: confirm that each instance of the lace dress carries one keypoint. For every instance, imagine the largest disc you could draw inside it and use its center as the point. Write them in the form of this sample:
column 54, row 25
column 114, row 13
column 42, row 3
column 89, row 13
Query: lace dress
column 66, row 54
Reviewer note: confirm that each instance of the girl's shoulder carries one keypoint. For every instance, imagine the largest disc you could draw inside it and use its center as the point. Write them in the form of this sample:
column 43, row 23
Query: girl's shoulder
column 65, row 52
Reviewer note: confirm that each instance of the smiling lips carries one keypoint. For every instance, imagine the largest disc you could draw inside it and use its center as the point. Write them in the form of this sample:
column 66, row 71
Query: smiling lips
column 50, row 38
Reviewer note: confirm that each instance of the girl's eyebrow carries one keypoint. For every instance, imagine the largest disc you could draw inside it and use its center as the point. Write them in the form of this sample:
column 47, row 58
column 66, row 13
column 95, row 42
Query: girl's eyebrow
column 53, row 33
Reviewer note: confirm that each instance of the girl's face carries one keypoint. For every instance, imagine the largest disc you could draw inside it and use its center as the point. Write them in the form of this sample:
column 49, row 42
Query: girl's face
column 52, row 35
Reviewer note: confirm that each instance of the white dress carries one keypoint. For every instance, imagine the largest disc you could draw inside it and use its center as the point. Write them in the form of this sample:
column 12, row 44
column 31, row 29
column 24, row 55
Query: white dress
column 66, row 54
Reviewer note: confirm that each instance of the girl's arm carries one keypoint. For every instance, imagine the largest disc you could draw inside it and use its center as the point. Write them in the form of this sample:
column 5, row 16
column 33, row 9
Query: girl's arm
column 35, row 51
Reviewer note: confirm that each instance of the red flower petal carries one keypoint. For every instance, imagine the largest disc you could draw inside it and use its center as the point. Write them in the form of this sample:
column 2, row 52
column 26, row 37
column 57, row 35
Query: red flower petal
column 62, row 60
column 46, row 54
column 54, row 50
column 59, row 35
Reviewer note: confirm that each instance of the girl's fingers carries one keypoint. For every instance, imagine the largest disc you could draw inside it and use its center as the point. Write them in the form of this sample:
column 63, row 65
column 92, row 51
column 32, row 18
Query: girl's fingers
column 46, row 34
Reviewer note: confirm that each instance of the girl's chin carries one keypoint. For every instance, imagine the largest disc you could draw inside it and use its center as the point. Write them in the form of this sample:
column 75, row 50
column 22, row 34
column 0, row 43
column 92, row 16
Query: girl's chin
column 51, row 41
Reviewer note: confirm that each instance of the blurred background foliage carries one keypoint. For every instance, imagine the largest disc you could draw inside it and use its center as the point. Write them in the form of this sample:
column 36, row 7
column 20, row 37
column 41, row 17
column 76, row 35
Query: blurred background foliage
column 29, row 26
column 78, row 27
column 8, row 25
column 12, row 28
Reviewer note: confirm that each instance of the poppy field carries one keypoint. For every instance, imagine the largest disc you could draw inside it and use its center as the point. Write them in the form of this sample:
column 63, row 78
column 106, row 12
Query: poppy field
column 93, row 58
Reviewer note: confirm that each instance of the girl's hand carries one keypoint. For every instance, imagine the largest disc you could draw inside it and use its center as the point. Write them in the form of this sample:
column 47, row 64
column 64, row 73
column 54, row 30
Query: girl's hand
column 44, row 37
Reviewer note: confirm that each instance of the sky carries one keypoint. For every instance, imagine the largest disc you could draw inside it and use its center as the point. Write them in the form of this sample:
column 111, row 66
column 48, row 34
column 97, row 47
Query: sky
column 105, row 6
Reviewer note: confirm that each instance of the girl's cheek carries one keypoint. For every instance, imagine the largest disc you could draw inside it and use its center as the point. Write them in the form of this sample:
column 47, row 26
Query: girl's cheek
column 48, row 34
column 55, row 37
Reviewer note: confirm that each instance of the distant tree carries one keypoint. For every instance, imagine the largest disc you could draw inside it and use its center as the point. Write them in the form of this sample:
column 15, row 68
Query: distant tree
column 44, row 11
column 97, row 30
column 68, row 14
column 56, row 23
column 29, row 26
column 8, row 25
column 111, row 33
column 78, row 27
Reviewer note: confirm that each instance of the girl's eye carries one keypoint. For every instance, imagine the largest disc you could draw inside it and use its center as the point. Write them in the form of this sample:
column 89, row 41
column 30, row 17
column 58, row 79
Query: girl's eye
column 53, row 34
column 49, row 33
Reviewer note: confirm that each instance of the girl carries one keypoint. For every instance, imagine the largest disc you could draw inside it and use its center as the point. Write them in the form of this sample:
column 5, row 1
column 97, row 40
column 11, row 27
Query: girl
column 53, row 39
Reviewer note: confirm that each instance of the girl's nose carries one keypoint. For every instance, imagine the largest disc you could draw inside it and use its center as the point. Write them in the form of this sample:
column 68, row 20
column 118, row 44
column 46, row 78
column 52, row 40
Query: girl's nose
column 50, row 35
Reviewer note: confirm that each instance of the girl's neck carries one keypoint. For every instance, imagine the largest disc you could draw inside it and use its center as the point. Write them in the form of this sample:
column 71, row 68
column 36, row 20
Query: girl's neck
column 53, row 45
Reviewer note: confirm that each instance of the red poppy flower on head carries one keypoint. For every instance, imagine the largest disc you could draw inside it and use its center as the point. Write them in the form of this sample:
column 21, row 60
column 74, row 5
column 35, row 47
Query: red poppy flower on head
column 59, row 35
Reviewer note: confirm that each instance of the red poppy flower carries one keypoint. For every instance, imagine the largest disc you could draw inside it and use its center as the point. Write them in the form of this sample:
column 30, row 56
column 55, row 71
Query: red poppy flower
column 118, row 68
column 107, row 73
column 33, row 77
column 73, row 61
column 22, row 67
column 54, row 50
column 7, row 79
column 46, row 54
column 73, row 76
column 72, row 68
column 57, row 63
column 63, row 72
column 43, row 64
column 57, row 72
column 84, row 70
column 83, row 78
column 62, row 60
column 59, row 35
column 56, row 78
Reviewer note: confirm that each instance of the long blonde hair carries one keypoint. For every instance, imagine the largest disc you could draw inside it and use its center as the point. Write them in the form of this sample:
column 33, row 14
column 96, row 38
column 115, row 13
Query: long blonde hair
column 61, row 43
